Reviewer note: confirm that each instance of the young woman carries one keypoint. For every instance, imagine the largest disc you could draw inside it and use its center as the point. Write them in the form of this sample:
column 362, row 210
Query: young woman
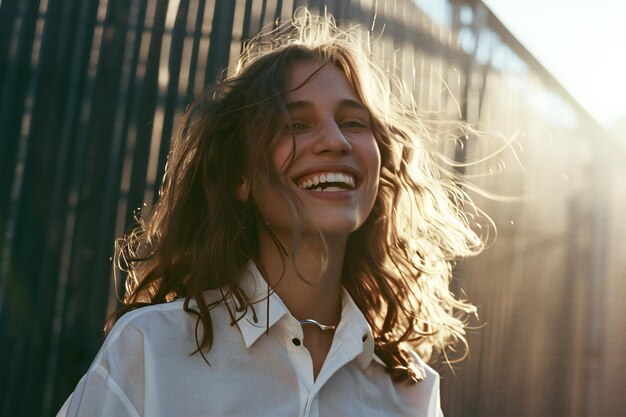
column 297, row 262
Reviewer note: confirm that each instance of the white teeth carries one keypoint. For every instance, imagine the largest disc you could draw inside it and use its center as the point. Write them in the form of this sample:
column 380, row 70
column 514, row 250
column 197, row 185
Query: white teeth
column 333, row 189
column 328, row 177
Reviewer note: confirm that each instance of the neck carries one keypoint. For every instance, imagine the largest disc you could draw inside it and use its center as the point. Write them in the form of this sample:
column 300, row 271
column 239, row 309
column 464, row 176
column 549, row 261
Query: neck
column 310, row 288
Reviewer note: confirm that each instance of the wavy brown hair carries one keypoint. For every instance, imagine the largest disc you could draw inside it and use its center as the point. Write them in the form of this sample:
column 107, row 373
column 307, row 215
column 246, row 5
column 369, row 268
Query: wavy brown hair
column 200, row 235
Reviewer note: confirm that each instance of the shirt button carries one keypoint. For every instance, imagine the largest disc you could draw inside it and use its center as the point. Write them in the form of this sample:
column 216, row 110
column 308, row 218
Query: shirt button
column 295, row 341
column 364, row 338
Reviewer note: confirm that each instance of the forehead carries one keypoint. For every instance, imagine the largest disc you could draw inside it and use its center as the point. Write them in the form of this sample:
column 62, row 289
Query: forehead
column 316, row 81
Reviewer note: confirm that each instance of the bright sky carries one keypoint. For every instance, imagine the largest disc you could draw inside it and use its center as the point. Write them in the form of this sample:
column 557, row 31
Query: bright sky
column 581, row 42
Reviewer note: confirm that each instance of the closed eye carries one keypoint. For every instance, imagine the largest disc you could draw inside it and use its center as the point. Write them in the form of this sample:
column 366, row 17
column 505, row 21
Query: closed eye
column 354, row 124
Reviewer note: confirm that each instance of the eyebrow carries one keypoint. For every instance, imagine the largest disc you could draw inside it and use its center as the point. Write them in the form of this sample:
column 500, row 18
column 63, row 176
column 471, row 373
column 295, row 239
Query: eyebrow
column 305, row 104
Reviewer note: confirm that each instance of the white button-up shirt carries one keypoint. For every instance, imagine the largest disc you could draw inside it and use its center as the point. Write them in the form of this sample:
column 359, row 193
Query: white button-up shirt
column 257, row 368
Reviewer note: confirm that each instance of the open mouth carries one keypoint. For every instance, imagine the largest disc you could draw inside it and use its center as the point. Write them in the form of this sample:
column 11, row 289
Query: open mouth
column 327, row 182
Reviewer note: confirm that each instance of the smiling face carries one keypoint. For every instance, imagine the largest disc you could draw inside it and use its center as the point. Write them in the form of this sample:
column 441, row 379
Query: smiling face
column 327, row 155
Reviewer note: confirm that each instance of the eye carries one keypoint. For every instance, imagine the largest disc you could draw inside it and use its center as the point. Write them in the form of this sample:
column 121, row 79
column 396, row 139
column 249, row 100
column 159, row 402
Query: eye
column 297, row 126
column 354, row 124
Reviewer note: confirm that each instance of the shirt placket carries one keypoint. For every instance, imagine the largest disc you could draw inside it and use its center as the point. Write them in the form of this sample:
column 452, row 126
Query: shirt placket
column 345, row 348
column 293, row 338
column 339, row 355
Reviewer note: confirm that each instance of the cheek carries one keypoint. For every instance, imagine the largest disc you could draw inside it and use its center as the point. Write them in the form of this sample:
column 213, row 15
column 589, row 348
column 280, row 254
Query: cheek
column 282, row 154
column 377, row 160
column 373, row 160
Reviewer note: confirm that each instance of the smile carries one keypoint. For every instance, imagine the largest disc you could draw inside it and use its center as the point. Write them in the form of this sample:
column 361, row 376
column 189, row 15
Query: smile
column 327, row 182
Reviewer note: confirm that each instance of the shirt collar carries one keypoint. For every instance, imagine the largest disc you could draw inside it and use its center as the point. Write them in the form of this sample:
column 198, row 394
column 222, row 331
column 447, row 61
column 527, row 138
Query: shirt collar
column 258, row 318
column 353, row 329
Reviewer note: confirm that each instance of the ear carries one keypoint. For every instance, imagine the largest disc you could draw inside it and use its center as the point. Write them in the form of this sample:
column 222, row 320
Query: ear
column 243, row 191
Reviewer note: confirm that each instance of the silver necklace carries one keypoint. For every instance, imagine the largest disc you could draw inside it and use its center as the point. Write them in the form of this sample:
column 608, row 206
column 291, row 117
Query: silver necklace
column 318, row 324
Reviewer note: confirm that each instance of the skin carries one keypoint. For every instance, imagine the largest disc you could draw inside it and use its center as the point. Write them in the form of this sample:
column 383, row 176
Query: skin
column 332, row 132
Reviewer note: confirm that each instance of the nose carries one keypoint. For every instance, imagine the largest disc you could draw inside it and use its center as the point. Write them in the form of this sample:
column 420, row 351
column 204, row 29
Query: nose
column 331, row 139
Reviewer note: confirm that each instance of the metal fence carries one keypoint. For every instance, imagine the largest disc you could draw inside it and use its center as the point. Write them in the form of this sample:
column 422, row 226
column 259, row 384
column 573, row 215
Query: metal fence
column 92, row 91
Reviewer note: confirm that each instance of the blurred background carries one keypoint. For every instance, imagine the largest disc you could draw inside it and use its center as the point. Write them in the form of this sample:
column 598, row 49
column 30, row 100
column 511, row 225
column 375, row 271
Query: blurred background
column 92, row 91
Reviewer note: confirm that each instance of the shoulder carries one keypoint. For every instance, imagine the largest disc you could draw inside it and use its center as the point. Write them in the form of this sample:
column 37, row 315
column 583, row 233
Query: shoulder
column 426, row 393
column 422, row 369
column 115, row 381
column 149, row 318
column 162, row 317
column 135, row 328
column 168, row 324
